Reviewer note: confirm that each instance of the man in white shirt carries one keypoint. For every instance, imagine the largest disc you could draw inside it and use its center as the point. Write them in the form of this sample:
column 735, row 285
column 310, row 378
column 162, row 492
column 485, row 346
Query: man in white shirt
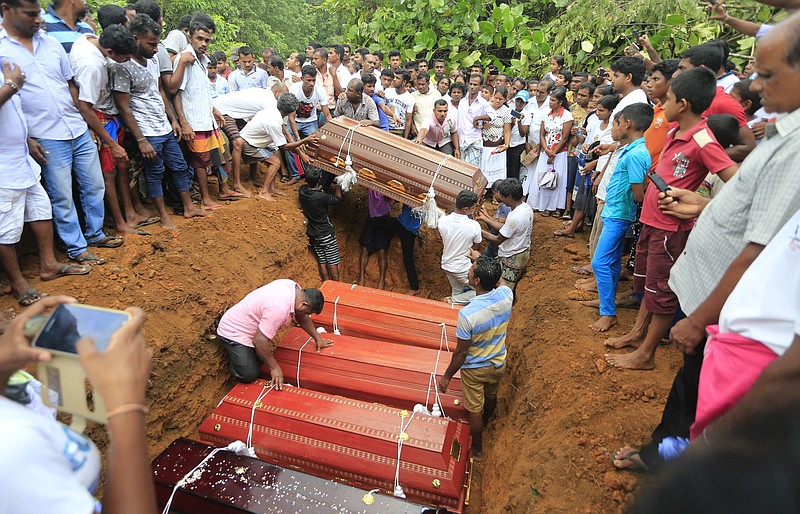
column 514, row 238
column 264, row 135
column 424, row 98
column 195, row 112
column 292, row 72
column 341, row 77
column 401, row 103
column 460, row 234
column 469, row 108
column 249, row 75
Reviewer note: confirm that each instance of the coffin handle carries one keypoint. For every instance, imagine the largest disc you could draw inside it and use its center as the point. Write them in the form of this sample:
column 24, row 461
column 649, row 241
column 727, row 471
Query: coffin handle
column 394, row 184
column 367, row 173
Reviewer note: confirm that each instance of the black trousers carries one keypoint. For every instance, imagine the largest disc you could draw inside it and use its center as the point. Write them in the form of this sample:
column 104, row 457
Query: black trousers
column 513, row 156
column 244, row 362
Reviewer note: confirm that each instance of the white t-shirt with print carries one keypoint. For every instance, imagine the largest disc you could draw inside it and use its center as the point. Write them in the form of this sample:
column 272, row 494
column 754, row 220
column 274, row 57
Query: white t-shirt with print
column 517, row 231
column 307, row 110
column 401, row 105
column 459, row 233
column 265, row 130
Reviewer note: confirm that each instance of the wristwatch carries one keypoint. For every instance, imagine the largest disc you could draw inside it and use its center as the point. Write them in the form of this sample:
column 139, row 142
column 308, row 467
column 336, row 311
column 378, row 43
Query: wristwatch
column 13, row 85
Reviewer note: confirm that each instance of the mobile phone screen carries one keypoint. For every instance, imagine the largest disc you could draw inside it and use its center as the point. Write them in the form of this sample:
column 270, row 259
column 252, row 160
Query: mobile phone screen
column 70, row 322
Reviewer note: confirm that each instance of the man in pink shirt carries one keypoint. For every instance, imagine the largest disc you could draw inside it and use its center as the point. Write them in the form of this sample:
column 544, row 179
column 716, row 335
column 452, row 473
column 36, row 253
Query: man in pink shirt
column 247, row 328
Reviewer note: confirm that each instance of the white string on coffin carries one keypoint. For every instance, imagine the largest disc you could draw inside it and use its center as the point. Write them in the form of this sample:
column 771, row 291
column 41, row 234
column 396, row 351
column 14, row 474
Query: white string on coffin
column 264, row 392
column 432, row 384
column 298, row 359
column 398, row 490
column 236, row 447
column 429, row 213
column 336, row 316
column 349, row 178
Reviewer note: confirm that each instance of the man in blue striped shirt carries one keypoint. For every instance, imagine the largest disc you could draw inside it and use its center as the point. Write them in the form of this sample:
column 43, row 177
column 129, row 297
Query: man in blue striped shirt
column 481, row 350
column 62, row 21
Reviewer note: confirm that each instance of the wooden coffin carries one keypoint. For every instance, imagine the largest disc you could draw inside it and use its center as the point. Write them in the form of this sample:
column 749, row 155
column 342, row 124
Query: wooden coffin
column 368, row 370
column 393, row 166
column 229, row 483
column 385, row 316
column 349, row 441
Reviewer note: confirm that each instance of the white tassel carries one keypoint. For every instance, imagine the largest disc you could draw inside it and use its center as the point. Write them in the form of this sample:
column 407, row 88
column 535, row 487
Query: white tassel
column 398, row 492
column 349, row 178
column 436, row 412
column 429, row 212
column 420, row 409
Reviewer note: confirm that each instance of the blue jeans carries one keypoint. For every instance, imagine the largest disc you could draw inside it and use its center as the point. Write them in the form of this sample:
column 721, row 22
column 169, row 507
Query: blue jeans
column 167, row 151
column 67, row 160
column 607, row 261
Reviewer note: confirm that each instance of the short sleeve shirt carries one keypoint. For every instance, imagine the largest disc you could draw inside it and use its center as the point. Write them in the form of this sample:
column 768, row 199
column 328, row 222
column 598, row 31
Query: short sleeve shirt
column 656, row 135
column 493, row 130
column 723, row 103
column 141, row 82
column 459, row 233
column 264, row 310
column 307, row 110
column 484, row 323
column 265, row 130
column 256, row 78
column 176, row 41
column 685, row 162
column 634, row 161
column 197, row 105
column 440, row 134
column 384, row 121
column 90, row 67
column 517, row 231
column 401, row 106
column 244, row 104
column 315, row 203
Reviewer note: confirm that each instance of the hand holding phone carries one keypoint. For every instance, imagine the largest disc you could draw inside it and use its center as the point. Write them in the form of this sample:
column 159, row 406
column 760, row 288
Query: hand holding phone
column 515, row 113
column 659, row 182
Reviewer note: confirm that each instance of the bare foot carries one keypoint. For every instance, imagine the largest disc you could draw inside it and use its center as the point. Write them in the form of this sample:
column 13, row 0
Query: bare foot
column 413, row 292
column 587, row 280
column 191, row 212
column 633, row 360
column 587, row 286
column 591, row 303
column 277, row 192
column 266, row 196
column 632, row 339
column 628, row 458
column 169, row 225
column 127, row 230
column 243, row 191
column 603, row 324
column 211, row 205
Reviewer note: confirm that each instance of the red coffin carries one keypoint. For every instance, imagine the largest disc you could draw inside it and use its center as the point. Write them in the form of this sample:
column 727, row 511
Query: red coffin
column 394, row 317
column 393, row 166
column 349, row 441
column 368, row 370
column 234, row 484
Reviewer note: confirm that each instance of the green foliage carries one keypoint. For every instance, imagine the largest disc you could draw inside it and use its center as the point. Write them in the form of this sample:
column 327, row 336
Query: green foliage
column 521, row 36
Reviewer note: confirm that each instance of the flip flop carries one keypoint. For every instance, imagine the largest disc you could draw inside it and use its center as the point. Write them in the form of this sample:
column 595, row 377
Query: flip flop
column 580, row 271
column 108, row 242
column 632, row 457
column 89, row 258
column 69, row 270
column 29, row 297
column 152, row 220
column 232, row 196
column 214, row 207
column 563, row 234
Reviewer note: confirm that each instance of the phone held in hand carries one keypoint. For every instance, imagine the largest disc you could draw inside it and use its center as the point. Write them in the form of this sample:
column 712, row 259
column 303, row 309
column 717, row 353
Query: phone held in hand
column 64, row 375
column 70, row 322
column 659, row 182
column 515, row 113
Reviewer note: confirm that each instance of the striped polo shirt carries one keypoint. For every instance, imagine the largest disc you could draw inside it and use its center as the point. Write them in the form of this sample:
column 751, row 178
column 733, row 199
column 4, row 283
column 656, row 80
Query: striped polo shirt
column 484, row 322
column 57, row 28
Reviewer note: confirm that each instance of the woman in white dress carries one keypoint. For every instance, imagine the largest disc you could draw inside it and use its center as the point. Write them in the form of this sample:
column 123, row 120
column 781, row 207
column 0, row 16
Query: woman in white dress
column 553, row 139
column 496, row 136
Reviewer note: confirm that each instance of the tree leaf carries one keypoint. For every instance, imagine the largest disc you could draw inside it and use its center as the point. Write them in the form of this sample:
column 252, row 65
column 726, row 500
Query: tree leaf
column 587, row 46
column 675, row 19
column 508, row 24
column 537, row 36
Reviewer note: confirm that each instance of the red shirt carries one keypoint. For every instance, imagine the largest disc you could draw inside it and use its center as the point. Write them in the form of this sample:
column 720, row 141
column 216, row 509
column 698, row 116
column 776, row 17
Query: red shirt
column 723, row 103
column 685, row 162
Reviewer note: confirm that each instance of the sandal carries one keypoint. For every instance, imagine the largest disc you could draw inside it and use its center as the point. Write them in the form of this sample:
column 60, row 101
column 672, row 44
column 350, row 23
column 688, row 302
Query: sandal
column 89, row 258
column 152, row 220
column 108, row 242
column 29, row 297
column 563, row 234
column 68, row 270
column 579, row 270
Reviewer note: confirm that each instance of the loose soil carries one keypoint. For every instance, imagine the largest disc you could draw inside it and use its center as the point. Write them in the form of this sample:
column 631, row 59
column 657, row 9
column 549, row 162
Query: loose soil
column 562, row 411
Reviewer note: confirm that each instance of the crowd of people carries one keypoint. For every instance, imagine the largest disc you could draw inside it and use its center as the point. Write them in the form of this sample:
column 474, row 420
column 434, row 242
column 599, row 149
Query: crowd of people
column 685, row 162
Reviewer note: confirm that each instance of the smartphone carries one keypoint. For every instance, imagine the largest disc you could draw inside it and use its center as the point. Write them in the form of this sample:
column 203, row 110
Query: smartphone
column 70, row 322
column 515, row 113
column 659, row 182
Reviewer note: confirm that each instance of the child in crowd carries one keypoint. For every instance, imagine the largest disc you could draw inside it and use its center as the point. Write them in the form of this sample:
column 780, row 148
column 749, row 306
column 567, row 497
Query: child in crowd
column 384, row 113
column 547, row 196
column 625, row 190
column 751, row 103
column 690, row 152
column 500, row 215
column 320, row 231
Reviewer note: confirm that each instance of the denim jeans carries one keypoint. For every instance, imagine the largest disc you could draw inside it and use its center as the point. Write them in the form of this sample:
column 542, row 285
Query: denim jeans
column 67, row 160
column 607, row 261
column 167, row 152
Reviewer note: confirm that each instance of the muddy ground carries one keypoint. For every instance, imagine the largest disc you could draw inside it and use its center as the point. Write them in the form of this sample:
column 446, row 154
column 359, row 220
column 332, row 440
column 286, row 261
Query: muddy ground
column 562, row 410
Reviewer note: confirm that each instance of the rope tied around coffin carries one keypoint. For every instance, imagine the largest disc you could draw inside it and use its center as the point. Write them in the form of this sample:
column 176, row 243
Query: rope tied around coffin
column 297, row 376
column 264, row 392
column 196, row 472
column 437, row 409
column 398, row 490
column 428, row 212
column 336, row 316
column 349, row 178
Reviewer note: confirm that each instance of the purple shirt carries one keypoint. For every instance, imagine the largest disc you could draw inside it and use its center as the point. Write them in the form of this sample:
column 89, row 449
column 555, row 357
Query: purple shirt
column 379, row 205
